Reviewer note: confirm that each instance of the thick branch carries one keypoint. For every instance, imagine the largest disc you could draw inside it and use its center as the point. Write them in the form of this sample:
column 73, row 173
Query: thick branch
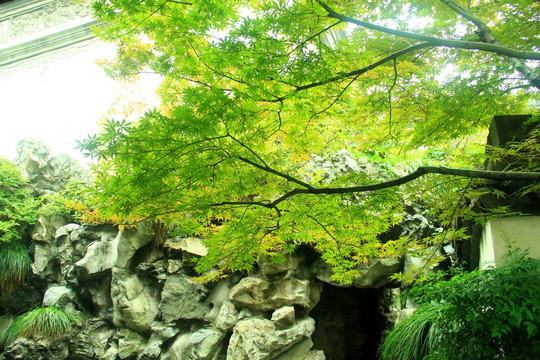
column 456, row 44
column 275, row 172
column 485, row 34
column 421, row 171
column 367, row 68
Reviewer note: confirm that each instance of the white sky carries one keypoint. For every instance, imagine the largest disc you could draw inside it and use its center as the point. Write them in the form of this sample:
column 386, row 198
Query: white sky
column 59, row 102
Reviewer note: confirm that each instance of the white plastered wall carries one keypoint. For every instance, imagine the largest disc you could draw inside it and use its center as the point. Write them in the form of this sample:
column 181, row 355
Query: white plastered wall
column 522, row 232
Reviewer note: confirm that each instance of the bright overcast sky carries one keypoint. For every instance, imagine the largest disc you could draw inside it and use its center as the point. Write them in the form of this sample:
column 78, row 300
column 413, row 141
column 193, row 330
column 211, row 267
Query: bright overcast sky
column 59, row 102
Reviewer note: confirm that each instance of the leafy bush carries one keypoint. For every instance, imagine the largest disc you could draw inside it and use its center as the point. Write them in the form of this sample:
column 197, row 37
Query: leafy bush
column 14, row 265
column 17, row 207
column 48, row 322
column 490, row 314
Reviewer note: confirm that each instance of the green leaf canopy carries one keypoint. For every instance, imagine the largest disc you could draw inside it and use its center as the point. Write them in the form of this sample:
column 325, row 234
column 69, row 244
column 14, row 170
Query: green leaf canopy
column 254, row 92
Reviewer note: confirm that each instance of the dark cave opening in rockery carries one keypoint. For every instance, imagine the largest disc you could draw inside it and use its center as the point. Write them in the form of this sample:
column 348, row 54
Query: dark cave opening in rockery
column 349, row 323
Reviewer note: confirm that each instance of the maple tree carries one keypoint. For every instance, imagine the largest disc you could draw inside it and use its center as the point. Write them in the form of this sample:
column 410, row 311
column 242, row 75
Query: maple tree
column 254, row 92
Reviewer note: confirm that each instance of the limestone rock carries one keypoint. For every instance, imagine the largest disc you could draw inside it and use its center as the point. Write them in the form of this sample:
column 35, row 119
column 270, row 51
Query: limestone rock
column 44, row 265
column 100, row 257
column 130, row 343
column 30, row 349
column 46, row 226
column 190, row 245
column 227, row 316
column 191, row 248
column 415, row 261
column 263, row 295
column 298, row 352
column 416, row 226
column 341, row 163
column 283, row 317
column 60, row 296
column 131, row 240
column 203, row 344
column 99, row 292
column 289, row 264
column 315, row 355
column 152, row 350
column 94, row 341
column 47, row 175
column 258, row 339
column 163, row 331
column 373, row 274
column 135, row 304
column 183, row 298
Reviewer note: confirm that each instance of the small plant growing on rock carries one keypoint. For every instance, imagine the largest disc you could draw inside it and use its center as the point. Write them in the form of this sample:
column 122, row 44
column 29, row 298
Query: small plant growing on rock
column 14, row 265
column 46, row 322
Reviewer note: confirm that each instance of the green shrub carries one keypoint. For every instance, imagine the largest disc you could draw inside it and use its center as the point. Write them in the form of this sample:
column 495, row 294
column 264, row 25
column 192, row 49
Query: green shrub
column 490, row 314
column 15, row 265
column 47, row 322
column 17, row 207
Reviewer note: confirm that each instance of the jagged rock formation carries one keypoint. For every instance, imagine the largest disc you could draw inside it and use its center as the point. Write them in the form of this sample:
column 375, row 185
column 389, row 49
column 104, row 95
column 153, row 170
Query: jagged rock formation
column 138, row 300
column 47, row 174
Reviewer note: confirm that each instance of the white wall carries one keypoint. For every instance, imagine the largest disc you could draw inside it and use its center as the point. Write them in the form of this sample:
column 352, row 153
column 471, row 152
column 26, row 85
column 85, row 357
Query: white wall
column 522, row 232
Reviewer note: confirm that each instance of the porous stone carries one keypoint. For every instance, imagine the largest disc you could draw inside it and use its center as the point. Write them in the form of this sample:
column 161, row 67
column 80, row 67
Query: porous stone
column 298, row 352
column 263, row 295
column 130, row 343
column 60, row 296
column 286, row 264
column 131, row 240
column 163, row 331
column 373, row 274
column 31, row 349
column 258, row 339
column 46, row 226
column 283, row 317
column 191, row 245
column 203, row 344
column 183, row 298
column 94, row 341
column 227, row 316
column 100, row 257
column 315, row 355
column 43, row 264
column 135, row 304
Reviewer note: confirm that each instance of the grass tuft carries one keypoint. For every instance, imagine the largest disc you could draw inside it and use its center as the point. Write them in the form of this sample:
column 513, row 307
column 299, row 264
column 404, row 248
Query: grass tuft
column 417, row 337
column 47, row 322
column 15, row 265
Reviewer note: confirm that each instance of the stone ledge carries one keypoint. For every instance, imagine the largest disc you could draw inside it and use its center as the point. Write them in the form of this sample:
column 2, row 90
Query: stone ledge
column 10, row 53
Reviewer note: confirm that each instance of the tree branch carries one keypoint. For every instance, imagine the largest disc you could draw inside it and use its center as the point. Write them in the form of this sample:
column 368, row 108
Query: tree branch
column 421, row 171
column 485, row 34
column 434, row 41
column 367, row 68
column 278, row 173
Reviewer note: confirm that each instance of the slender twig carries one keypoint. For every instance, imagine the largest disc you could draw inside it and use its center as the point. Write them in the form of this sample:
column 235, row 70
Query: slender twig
column 390, row 100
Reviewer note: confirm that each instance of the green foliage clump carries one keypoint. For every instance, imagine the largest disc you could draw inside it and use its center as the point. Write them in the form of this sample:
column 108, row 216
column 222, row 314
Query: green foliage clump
column 67, row 202
column 48, row 322
column 490, row 314
column 14, row 265
column 17, row 206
